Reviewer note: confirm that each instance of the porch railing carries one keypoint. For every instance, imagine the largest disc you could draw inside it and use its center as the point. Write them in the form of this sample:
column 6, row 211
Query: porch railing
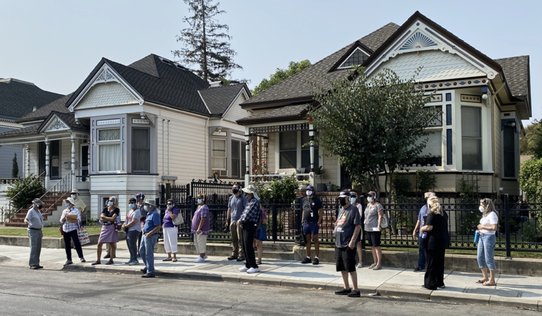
column 58, row 191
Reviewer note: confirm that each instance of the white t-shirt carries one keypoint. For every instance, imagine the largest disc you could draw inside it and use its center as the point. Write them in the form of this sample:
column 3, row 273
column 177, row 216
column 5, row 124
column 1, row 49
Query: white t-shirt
column 490, row 219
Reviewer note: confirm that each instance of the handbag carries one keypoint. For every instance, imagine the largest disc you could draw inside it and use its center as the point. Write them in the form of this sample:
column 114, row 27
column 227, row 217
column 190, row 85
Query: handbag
column 384, row 221
column 179, row 220
column 82, row 234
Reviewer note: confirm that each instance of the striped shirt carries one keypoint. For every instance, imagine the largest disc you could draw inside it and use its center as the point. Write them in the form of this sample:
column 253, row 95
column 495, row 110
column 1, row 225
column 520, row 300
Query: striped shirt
column 66, row 226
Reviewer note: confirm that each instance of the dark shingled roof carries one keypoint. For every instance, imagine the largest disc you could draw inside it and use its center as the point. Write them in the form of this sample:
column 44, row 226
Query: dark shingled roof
column 158, row 80
column 31, row 130
column 300, row 86
column 517, row 74
column 286, row 113
column 18, row 98
column 59, row 105
column 218, row 99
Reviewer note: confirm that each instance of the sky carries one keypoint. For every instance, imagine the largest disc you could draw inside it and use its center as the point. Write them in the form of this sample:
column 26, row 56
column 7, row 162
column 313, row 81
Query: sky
column 55, row 44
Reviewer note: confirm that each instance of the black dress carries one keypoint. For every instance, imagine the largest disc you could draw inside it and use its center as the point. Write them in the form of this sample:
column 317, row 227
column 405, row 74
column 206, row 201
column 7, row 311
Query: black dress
column 437, row 242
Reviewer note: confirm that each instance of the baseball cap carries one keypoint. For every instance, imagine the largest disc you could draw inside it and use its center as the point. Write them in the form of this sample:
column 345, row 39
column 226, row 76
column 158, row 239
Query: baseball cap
column 344, row 193
column 310, row 187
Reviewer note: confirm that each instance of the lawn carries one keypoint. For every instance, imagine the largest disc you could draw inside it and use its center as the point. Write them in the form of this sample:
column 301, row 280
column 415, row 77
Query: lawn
column 47, row 231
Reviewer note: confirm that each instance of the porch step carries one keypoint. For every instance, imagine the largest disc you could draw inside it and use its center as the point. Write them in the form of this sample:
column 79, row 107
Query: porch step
column 51, row 202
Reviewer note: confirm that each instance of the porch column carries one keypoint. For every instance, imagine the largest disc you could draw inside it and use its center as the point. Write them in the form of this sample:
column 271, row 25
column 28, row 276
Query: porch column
column 26, row 160
column 311, row 150
column 47, row 163
column 73, row 161
column 247, row 156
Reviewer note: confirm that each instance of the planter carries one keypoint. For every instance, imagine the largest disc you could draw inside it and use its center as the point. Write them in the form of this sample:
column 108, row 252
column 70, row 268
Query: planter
column 329, row 188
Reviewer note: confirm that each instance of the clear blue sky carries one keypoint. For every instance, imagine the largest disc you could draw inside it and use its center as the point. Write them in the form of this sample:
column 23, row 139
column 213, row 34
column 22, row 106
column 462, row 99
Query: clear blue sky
column 55, row 44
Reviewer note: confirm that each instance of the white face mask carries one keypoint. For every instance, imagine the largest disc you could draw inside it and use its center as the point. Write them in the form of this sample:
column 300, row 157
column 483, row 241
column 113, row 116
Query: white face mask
column 199, row 201
column 352, row 200
column 482, row 209
column 146, row 208
column 309, row 192
column 74, row 196
column 370, row 199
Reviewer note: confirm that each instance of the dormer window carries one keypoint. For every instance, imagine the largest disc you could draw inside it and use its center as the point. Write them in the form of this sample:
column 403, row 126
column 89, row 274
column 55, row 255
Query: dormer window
column 356, row 58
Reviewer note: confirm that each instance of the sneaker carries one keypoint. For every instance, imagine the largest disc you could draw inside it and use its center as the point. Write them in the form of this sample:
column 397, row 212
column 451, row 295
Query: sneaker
column 253, row 270
column 107, row 256
column 240, row 259
column 306, row 260
column 359, row 266
column 127, row 262
column 343, row 292
column 82, row 259
column 243, row 269
column 199, row 260
column 354, row 294
column 377, row 268
column 68, row 262
column 372, row 266
column 232, row 258
column 442, row 287
column 315, row 261
column 148, row 275
column 417, row 269
column 144, row 270
column 133, row 263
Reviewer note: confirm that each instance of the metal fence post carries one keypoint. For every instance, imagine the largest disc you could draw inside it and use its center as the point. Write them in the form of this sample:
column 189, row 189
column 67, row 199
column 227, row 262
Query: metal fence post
column 275, row 218
column 507, row 225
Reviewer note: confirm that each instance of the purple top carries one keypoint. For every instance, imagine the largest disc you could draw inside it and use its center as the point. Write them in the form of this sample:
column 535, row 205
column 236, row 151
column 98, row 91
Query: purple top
column 167, row 221
column 201, row 212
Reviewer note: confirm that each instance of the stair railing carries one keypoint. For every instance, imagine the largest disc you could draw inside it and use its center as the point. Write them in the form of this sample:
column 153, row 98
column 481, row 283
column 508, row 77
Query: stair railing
column 58, row 190
column 6, row 209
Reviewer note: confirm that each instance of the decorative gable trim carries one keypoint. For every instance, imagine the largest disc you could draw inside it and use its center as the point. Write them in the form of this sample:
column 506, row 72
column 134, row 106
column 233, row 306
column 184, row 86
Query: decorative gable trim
column 420, row 37
column 356, row 58
column 105, row 74
column 55, row 124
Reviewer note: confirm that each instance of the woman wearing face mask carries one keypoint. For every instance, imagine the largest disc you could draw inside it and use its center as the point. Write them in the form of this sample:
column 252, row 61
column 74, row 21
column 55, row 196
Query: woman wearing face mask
column 109, row 234
column 200, row 227
column 133, row 229
column 170, row 231
column 354, row 201
column 486, row 244
column 373, row 219
column 71, row 219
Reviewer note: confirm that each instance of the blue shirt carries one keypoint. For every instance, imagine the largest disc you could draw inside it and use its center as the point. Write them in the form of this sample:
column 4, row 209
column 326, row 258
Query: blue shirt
column 237, row 205
column 421, row 215
column 151, row 221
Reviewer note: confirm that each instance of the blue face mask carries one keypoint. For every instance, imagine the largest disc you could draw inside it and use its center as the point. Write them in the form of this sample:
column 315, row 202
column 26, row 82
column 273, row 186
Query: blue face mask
column 170, row 206
column 146, row 208
column 67, row 204
column 131, row 205
column 352, row 200
column 199, row 201
column 110, row 203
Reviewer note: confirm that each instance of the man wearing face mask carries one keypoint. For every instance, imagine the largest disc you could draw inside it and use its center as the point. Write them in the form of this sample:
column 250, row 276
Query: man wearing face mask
column 80, row 205
column 422, row 215
column 347, row 229
column 34, row 219
column 236, row 205
column 311, row 219
column 150, row 238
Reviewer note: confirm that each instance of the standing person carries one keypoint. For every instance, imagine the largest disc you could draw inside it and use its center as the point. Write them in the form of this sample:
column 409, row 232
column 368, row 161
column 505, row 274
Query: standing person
column 133, row 230
column 150, row 238
column 347, row 229
column 140, row 197
column 420, row 223
column 311, row 218
column 249, row 223
column 236, row 205
column 170, row 231
column 34, row 219
column 201, row 224
column 486, row 244
column 353, row 201
column 71, row 219
column 437, row 242
column 108, row 234
column 260, row 236
column 80, row 205
column 373, row 219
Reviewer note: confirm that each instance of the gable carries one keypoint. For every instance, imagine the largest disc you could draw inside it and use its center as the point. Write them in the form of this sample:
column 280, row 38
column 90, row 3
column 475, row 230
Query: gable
column 106, row 88
column 422, row 44
column 356, row 58
column 55, row 124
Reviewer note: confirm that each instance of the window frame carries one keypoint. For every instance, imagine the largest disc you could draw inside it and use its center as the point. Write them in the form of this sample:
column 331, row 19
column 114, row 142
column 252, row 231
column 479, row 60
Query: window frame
column 102, row 143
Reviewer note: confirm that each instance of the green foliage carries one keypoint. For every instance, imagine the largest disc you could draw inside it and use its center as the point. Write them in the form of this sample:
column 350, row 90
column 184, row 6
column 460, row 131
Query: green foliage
column 425, row 181
column 401, row 186
column 373, row 125
column 29, row 188
column 281, row 74
column 205, row 43
column 469, row 193
column 530, row 179
column 531, row 143
column 279, row 191
column 15, row 168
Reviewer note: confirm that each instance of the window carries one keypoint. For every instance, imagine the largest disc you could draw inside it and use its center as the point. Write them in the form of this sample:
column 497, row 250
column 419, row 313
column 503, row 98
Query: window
column 109, row 149
column 238, row 159
column 219, row 154
column 471, row 140
column 509, row 152
column 141, row 150
column 288, row 150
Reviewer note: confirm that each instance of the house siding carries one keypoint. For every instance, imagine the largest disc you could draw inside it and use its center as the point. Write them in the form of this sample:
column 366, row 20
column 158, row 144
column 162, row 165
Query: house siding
column 236, row 112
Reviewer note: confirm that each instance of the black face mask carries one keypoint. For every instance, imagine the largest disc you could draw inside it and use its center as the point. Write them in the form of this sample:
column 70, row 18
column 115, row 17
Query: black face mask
column 40, row 206
column 342, row 201
column 235, row 191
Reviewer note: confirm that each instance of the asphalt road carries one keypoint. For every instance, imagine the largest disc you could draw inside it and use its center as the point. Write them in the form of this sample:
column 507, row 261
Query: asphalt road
column 52, row 292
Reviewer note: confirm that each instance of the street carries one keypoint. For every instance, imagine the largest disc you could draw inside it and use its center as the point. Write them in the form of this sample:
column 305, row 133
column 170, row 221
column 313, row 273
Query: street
column 54, row 292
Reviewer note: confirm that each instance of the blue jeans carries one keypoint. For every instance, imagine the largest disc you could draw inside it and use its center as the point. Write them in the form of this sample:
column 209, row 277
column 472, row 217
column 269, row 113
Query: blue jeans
column 421, row 254
column 147, row 251
column 486, row 248
column 131, row 242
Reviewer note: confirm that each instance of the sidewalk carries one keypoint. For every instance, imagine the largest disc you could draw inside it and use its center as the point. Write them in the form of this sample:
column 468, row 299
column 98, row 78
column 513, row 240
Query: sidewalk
column 511, row 291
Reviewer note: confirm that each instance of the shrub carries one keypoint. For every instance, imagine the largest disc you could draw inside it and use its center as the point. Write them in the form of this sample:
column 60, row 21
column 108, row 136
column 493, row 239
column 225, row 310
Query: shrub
column 23, row 191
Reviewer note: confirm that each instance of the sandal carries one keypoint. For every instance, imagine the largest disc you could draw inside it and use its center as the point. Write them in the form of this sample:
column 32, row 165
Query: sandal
column 487, row 283
column 372, row 266
column 96, row 262
column 167, row 259
column 482, row 281
column 109, row 262
column 174, row 260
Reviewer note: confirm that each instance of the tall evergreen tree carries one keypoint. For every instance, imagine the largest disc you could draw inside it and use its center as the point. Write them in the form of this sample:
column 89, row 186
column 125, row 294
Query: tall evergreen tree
column 205, row 42
column 15, row 167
